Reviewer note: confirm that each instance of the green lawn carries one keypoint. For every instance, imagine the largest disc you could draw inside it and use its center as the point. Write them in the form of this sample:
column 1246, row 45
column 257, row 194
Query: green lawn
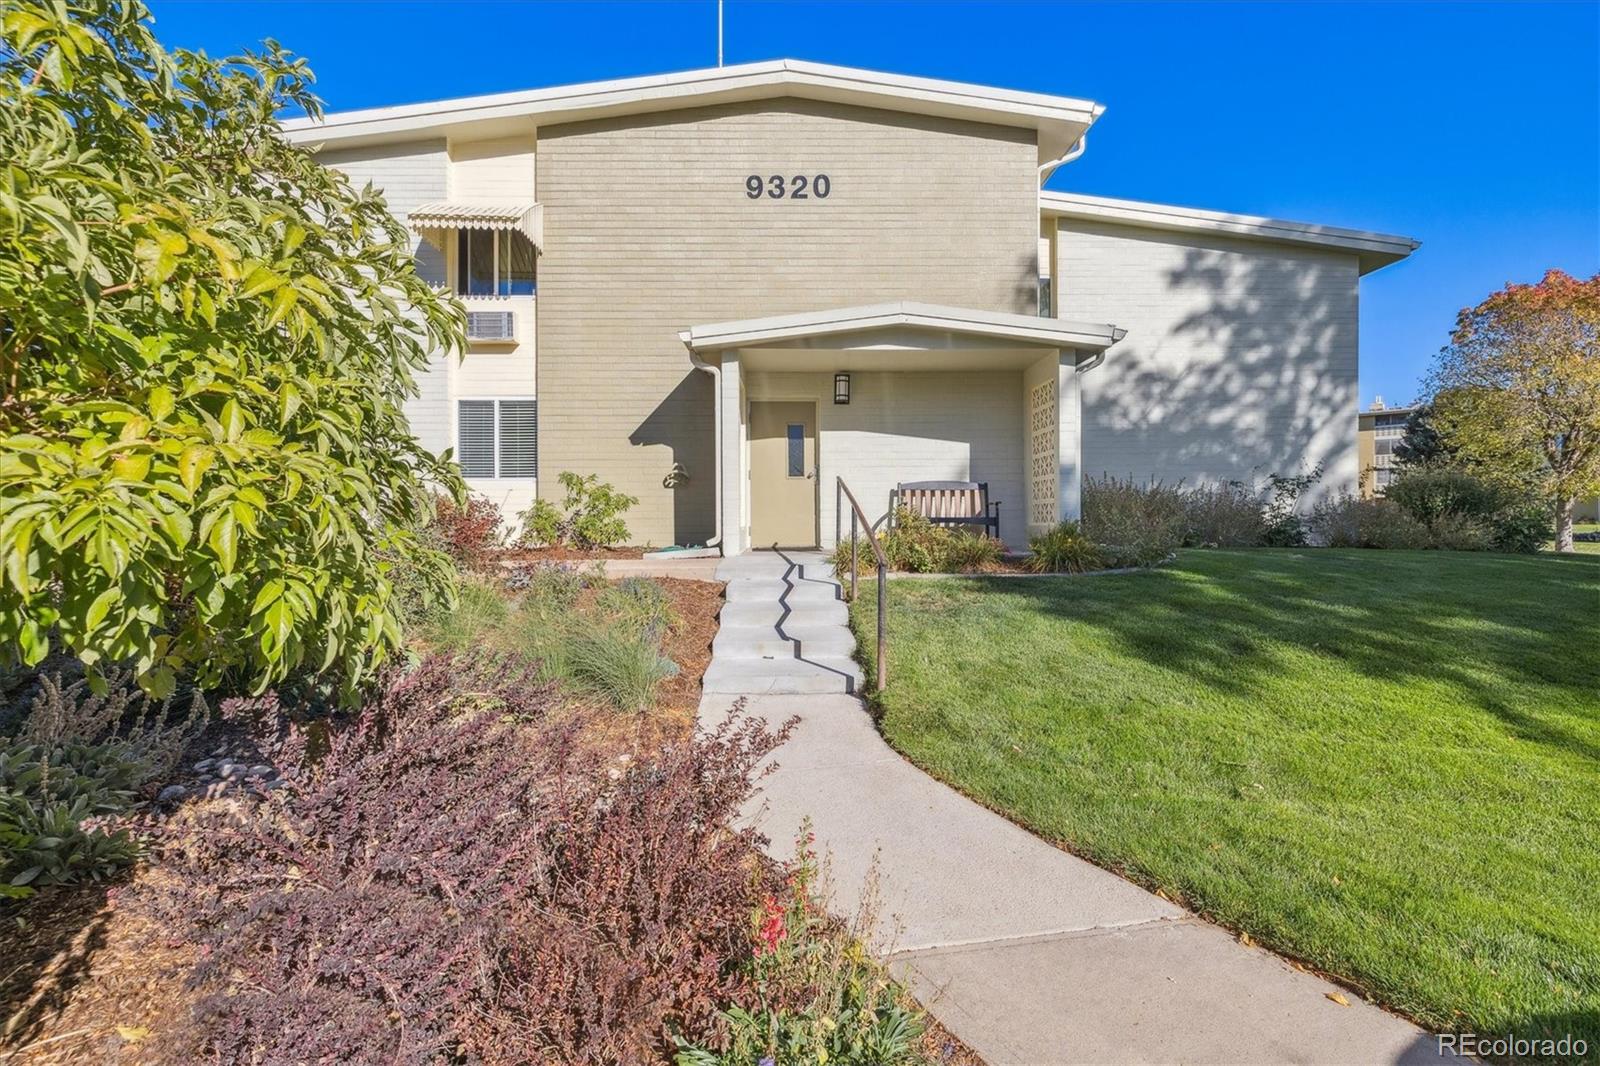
column 1384, row 763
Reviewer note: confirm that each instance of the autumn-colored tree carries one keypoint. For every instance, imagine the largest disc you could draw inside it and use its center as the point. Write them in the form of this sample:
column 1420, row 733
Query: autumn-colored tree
column 1517, row 390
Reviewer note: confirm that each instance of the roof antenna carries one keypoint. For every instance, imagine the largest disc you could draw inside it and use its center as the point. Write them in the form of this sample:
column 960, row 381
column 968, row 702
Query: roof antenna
column 719, row 33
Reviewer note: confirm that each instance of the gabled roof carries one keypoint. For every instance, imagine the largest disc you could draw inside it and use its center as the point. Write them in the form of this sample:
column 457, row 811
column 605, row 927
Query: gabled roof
column 949, row 323
column 1373, row 250
column 1059, row 120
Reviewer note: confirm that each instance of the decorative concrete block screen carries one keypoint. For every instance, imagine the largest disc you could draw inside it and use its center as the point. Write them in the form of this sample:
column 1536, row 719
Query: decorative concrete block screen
column 1043, row 461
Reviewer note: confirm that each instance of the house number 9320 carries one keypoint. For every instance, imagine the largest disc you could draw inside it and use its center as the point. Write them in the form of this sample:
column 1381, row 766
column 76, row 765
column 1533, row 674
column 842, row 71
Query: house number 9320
column 777, row 187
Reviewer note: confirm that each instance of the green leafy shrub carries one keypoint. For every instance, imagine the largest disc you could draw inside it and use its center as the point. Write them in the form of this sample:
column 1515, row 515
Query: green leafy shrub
column 1066, row 549
column 1469, row 513
column 590, row 516
column 1283, row 524
column 1427, row 492
column 74, row 764
column 1345, row 521
column 209, row 338
column 815, row 994
column 1453, row 531
column 56, row 843
column 1523, row 525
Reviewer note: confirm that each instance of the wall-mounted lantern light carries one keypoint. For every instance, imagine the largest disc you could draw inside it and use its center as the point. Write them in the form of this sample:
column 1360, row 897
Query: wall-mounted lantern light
column 841, row 388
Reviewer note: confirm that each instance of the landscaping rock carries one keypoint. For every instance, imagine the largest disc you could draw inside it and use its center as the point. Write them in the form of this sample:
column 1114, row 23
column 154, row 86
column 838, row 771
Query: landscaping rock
column 232, row 769
column 172, row 794
column 203, row 765
column 261, row 771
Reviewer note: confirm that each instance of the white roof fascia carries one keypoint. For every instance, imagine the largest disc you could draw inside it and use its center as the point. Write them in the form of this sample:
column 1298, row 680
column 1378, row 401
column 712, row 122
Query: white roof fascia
column 1374, row 250
column 996, row 325
column 1060, row 120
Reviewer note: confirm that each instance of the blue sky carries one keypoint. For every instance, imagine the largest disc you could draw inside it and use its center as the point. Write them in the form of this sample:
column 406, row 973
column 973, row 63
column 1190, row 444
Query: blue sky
column 1473, row 127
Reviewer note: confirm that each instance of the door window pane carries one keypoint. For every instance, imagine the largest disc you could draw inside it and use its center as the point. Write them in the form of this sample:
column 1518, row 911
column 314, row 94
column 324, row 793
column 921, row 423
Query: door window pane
column 797, row 450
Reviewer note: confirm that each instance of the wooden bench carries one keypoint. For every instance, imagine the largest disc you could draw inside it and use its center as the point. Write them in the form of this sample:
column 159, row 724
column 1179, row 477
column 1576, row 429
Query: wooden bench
column 948, row 503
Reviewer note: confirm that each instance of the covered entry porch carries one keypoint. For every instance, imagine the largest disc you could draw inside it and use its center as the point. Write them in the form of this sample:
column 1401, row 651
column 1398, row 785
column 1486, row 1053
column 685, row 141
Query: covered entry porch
column 887, row 394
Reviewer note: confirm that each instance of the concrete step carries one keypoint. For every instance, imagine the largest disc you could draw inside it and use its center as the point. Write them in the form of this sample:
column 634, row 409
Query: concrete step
column 815, row 613
column 775, row 676
column 772, row 590
column 757, row 642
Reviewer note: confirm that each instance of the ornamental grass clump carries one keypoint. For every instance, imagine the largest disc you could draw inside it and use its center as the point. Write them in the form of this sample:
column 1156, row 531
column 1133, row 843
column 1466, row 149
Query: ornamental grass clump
column 1064, row 550
column 917, row 546
column 618, row 662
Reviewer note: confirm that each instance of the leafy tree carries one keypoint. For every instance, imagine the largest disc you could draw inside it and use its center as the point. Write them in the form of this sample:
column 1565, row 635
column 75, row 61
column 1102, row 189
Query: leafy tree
column 205, row 342
column 1517, row 390
column 1421, row 443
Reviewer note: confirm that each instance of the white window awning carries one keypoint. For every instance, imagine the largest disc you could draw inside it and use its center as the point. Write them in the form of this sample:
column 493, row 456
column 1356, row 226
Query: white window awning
column 526, row 217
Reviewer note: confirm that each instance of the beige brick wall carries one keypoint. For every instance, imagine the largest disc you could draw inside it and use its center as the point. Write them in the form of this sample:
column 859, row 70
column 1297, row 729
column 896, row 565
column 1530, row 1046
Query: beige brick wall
column 648, row 231
column 1240, row 358
column 408, row 175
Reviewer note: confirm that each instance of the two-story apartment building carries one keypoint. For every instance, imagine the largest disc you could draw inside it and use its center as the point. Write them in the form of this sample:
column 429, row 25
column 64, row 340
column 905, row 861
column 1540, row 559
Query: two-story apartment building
column 722, row 289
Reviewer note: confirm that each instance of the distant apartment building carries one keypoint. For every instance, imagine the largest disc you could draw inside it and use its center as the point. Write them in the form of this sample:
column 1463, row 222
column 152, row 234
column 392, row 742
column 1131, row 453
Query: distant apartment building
column 1380, row 428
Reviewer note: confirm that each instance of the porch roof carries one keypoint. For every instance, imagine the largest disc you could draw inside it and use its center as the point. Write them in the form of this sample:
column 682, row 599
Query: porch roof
column 901, row 325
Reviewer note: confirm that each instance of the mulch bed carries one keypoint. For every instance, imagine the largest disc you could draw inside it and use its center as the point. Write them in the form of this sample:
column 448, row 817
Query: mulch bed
column 696, row 604
column 88, row 980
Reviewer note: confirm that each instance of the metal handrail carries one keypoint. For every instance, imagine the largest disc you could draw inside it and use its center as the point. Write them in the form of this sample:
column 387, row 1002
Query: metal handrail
column 858, row 519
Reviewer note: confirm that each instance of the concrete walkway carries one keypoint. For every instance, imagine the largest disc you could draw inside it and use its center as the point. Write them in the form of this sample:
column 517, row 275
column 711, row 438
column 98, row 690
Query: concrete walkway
column 1025, row 952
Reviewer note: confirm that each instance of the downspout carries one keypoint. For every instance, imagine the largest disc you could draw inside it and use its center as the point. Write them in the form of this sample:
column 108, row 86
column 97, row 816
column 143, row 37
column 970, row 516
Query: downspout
column 1100, row 356
column 1077, row 149
column 1079, row 146
column 716, row 407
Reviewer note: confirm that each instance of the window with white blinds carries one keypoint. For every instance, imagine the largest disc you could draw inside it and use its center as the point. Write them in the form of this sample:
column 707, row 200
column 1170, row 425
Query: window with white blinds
column 498, row 438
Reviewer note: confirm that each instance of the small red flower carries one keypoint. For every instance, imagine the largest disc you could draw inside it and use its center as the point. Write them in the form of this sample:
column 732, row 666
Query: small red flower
column 772, row 927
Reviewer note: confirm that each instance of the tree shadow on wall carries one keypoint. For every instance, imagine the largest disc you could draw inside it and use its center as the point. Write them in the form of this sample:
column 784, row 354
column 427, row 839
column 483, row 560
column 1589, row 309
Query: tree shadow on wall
column 685, row 422
column 1241, row 386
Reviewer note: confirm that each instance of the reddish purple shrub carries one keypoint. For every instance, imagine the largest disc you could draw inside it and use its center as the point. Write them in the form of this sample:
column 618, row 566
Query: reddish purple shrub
column 647, row 917
column 456, row 874
column 471, row 534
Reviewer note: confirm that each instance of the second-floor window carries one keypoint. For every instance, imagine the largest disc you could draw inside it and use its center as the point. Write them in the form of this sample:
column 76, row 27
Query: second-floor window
column 491, row 262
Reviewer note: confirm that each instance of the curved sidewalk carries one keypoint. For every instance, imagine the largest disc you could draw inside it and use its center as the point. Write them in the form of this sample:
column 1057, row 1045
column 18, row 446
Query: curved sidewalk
column 1025, row 952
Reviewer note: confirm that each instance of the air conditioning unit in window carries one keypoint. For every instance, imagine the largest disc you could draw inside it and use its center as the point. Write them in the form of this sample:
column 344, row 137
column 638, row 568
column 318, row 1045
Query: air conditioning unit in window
column 491, row 325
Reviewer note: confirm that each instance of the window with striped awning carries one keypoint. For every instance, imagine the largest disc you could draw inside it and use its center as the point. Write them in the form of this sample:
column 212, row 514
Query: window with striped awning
column 498, row 438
